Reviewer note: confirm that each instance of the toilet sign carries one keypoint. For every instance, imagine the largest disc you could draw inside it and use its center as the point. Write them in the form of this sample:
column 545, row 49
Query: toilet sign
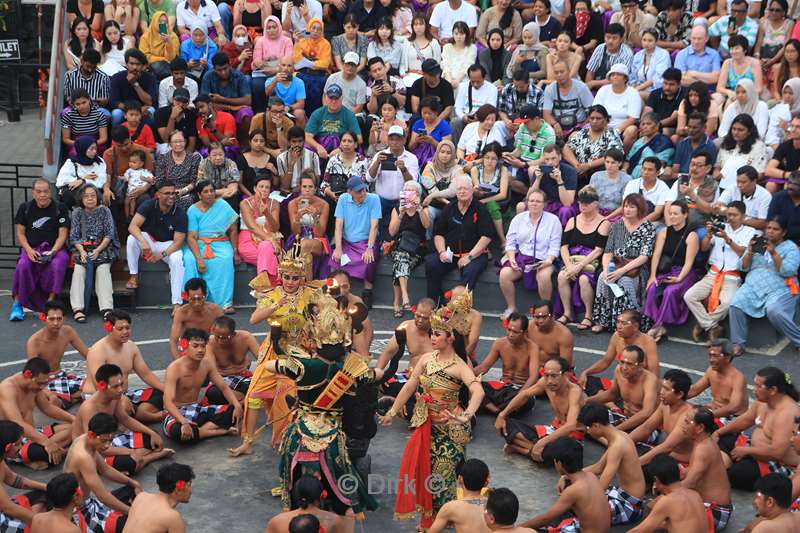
column 9, row 49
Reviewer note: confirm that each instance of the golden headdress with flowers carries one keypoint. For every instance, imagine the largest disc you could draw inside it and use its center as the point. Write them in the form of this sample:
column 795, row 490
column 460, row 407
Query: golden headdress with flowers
column 455, row 316
column 329, row 321
column 294, row 261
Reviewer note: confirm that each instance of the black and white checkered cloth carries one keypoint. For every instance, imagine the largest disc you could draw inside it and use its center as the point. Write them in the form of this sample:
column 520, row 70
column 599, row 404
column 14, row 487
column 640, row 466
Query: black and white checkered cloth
column 64, row 384
column 720, row 514
column 624, row 507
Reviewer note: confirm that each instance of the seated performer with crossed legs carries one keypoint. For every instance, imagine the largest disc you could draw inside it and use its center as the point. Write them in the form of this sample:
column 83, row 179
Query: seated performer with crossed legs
column 228, row 350
column 16, row 512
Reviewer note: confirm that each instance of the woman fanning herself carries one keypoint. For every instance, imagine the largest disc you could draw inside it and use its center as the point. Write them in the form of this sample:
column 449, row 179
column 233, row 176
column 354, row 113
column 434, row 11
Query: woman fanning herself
column 671, row 272
column 582, row 246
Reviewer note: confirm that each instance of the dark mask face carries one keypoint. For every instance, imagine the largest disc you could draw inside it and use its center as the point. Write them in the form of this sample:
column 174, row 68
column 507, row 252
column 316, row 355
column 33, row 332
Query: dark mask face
column 332, row 352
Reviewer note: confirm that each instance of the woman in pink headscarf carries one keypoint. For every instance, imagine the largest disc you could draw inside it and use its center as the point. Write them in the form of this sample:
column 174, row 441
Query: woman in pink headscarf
column 270, row 48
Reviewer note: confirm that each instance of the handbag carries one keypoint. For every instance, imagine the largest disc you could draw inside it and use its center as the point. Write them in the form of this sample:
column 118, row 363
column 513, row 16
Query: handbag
column 622, row 261
column 409, row 242
column 567, row 119
column 665, row 263
column 591, row 268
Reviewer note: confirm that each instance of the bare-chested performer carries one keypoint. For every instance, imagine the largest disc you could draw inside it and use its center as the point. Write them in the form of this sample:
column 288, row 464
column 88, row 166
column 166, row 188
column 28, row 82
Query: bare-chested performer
column 769, row 447
column 553, row 338
column 64, row 496
column 50, row 343
column 626, row 499
column 19, row 394
column 520, row 358
column 566, row 399
column 117, row 348
column 196, row 313
column 16, row 512
column 306, row 494
column 581, row 504
column 157, row 513
column 677, row 508
column 418, row 343
column 627, row 333
column 502, row 510
column 104, row 510
column 663, row 431
column 475, row 323
column 361, row 341
column 187, row 420
column 228, row 350
column 706, row 472
column 138, row 445
column 635, row 386
column 729, row 397
column 773, row 501
column 466, row 513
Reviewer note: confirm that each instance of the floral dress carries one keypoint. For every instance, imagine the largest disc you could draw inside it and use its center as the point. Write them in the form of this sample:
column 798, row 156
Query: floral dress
column 587, row 150
column 625, row 245
column 179, row 175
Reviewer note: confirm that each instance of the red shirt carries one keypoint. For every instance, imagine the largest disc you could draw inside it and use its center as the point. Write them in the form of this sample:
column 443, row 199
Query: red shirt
column 226, row 126
column 145, row 137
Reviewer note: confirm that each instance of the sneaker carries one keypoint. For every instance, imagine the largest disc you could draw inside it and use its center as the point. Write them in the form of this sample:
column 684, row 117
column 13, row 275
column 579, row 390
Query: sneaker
column 366, row 295
column 17, row 314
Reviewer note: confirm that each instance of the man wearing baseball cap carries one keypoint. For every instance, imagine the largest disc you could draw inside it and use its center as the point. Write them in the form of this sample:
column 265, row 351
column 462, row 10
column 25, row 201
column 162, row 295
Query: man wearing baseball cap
column 176, row 115
column 391, row 168
column 354, row 89
column 431, row 84
column 329, row 122
column 355, row 237
column 533, row 134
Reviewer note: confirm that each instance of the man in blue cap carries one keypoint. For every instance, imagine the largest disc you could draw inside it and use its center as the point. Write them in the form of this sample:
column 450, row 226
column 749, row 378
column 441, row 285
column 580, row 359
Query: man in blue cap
column 327, row 124
column 358, row 213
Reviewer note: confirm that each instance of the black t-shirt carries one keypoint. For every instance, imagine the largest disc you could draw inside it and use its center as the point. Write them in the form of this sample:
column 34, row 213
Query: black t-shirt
column 461, row 232
column 162, row 226
column 97, row 7
column 187, row 124
column 444, row 91
column 788, row 156
column 42, row 224
column 663, row 107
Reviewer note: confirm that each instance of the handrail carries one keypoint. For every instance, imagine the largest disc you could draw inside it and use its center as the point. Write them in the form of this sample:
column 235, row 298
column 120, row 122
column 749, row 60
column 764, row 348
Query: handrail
column 52, row 130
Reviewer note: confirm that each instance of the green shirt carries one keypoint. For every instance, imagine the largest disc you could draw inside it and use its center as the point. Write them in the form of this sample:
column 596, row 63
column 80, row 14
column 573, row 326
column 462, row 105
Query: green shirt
column 531, row 148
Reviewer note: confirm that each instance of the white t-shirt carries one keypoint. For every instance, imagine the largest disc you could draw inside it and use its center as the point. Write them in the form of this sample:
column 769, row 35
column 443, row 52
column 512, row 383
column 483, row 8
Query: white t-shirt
column 469, row 137
column 658, row 195
column 487, row 94
column 298, row 22
column 443, row 17
column 756, row 205
column 206, row 14
column 619, row 106
column 354, row 92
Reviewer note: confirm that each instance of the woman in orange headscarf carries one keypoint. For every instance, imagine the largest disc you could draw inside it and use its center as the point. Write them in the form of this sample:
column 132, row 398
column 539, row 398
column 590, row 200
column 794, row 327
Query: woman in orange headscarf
column 313, row 59
column 159, row 42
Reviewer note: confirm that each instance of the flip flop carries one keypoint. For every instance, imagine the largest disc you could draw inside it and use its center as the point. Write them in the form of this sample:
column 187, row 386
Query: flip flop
column 564, row 319
column 79, row 317
column 398, row 313
column 585, row 324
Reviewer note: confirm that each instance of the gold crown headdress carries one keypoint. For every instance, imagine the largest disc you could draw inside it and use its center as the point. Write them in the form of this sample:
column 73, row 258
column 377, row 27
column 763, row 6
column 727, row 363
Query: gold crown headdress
column 329, row 322
column 455, row 316
column 294, row 261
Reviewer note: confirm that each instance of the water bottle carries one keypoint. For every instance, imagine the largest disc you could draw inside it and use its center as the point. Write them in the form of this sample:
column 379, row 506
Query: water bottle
column 611, row 267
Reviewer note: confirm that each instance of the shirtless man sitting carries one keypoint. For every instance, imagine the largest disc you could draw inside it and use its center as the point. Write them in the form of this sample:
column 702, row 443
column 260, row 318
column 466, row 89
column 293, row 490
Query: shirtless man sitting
column 769, row 447
column 502, row 510
column 418, row 342
column 773, row 502
column 228, row 350
column 196, row 313
column 117, row 348
column 635, row 386
column 729, row 397
column 16, row 512
column 361, row 341
column 566, row 399
column 520, row 358
column 475, row 324
column 187, row 420
column 306, row 495
column 157, row 513
column 105, row 511
column 131, row 450
column 663, row 431
column 627, row 333
column 706, row 472
column 64, row 496
column 19, row 393
column 581, row 504
column 49, row 343
column 466, row 513
column 620, row 460
column 553, row 338
column 677, row 508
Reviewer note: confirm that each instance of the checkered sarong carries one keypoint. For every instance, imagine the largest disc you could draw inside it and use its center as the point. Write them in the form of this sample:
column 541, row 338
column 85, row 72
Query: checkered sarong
column 624, row 507
column 22, row 456
column 720, row 515
column 64, row 385
column 236, row 381
column 139, row 396
column 195, row 413
column 766, row 467
column 616, row 417
column 96, row 514
column 9, row 524
column 132, row 440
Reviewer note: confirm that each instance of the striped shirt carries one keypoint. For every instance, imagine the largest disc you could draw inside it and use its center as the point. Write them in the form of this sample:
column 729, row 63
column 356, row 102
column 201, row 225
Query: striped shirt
column 602, row 58
column 84, row 125
column 98, row 85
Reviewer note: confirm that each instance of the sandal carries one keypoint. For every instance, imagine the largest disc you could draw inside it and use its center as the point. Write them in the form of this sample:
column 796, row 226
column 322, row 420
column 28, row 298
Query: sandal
column 585, row 324
column 79, row 316
column 133, row 283
column 564, row 319
column 407, row 307
column 398, row 313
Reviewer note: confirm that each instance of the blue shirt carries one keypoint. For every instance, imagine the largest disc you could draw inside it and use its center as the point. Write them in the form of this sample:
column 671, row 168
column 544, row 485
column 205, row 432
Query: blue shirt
column 357, row 217
column 683, row 153
column 122, row 90
column 706, row 61
column 783, row 205
column 237, row 87
column 291, row 94
column 439, row 132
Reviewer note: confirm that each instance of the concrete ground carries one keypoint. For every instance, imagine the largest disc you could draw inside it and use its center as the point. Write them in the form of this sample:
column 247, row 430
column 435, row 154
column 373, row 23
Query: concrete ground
column 234, row 493
column 22, row 142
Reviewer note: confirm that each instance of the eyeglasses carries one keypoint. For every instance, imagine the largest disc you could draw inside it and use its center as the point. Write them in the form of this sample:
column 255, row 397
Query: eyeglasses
column 225, row 337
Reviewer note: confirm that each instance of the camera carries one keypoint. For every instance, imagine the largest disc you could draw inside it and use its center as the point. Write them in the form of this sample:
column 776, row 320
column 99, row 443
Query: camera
column 390, row 163
column 718, row 223
column 45, row 258
column 759, row 245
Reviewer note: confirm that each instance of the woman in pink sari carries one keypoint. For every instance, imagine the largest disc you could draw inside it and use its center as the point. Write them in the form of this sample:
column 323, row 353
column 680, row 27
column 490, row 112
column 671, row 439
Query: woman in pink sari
column 259, row 238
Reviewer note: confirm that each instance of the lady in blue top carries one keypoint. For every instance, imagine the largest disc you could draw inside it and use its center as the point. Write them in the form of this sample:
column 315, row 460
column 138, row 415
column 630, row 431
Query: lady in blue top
column 428, row 131
column 770, row 287
column 198, row 51
column 648, row 65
